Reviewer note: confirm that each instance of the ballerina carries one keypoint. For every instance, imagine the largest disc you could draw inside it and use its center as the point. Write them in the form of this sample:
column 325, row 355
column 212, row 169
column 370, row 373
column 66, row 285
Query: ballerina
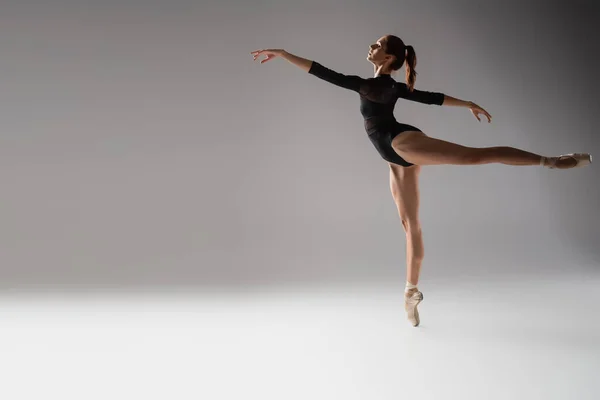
column 405, row 147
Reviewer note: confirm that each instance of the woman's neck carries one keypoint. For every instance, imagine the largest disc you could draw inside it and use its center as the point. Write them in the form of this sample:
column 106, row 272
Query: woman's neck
column 381, row 70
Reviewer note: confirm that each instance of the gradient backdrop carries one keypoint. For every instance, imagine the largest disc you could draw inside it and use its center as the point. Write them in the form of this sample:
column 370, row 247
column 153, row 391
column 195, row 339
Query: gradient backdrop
column 141, row 145
column 141, row 148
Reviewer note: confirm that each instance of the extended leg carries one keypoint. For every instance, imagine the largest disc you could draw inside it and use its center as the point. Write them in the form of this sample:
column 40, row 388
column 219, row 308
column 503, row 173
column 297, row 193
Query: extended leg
column 420, row 149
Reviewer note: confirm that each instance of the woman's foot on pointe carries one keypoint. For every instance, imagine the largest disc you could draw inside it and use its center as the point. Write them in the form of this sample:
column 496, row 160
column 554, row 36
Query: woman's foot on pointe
column 412, row 298
column 566, row 161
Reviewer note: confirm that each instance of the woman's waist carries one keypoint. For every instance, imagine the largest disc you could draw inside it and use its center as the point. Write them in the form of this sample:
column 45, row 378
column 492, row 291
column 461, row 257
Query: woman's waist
column 376, row 123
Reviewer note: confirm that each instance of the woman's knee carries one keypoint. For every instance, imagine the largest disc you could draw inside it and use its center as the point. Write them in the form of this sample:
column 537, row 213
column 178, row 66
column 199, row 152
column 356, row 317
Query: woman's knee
column 411, row 224
column 475, row 156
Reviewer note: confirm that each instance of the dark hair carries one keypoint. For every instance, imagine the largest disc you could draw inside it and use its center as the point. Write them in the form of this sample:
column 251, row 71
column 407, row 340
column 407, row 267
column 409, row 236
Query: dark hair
column 395, row 46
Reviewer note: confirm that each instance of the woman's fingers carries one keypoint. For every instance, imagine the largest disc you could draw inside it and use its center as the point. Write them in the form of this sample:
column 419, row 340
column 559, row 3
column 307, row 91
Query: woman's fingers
column 257, row 53
column 476, row 110
column 487, row 114
column 269, row 53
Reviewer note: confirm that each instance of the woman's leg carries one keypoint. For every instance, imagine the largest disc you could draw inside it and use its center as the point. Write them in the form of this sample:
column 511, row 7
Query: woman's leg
column 404, row 184
column 420, row 149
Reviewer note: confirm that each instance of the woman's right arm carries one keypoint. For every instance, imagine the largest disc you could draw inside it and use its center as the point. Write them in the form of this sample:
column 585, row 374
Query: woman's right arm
column 272, row 53
column 300, row 62
column 351, row 82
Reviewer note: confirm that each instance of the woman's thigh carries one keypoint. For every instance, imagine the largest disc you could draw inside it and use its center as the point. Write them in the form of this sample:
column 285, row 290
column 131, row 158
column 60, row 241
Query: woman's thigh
column 404, row 184
column 418, row 148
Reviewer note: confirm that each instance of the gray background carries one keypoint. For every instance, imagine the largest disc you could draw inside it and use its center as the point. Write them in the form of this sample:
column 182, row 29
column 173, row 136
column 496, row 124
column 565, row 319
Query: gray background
column 140, row 145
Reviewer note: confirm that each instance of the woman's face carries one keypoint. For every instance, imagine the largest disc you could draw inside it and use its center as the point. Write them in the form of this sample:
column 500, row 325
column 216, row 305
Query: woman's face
column 377, row 55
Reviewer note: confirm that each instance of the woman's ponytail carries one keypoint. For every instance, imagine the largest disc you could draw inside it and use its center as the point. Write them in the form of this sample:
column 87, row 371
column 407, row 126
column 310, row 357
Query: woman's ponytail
column 411, row 63
column 402, row 53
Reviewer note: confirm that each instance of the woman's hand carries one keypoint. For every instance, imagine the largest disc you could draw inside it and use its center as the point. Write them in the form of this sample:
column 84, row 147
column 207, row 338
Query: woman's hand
column 476, row 110
column 270, row 53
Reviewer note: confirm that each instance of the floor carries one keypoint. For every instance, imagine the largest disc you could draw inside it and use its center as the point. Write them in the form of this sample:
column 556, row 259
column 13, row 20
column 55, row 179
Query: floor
column 512, row 338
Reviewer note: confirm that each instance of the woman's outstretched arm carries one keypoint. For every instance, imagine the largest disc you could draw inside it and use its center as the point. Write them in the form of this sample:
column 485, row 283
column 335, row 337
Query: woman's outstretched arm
column 454, row 102
column 475, row 109
column 300, row 62
column 351, row 82
column 440, row 99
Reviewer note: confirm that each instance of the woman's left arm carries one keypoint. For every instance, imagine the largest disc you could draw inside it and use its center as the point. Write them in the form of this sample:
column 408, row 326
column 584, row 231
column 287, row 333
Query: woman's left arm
column 475, row 109
column 441, row 99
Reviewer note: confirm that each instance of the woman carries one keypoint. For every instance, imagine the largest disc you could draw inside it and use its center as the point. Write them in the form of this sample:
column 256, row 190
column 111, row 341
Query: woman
column 405, row 147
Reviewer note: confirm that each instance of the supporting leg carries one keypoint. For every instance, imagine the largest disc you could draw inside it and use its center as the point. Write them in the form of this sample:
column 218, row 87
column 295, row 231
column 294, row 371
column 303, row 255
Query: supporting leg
column 404, row 184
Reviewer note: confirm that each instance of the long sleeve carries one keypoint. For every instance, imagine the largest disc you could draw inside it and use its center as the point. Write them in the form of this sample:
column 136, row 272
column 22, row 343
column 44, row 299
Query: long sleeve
column 351, row 82
column 420, row 95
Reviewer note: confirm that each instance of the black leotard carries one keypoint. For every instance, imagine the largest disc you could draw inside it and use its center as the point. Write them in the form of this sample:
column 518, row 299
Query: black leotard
column 378, row 97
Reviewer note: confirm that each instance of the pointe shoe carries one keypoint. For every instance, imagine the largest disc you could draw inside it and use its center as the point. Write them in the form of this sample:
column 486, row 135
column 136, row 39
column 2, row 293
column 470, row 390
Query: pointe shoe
column 582, row 159
column 411, row 301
